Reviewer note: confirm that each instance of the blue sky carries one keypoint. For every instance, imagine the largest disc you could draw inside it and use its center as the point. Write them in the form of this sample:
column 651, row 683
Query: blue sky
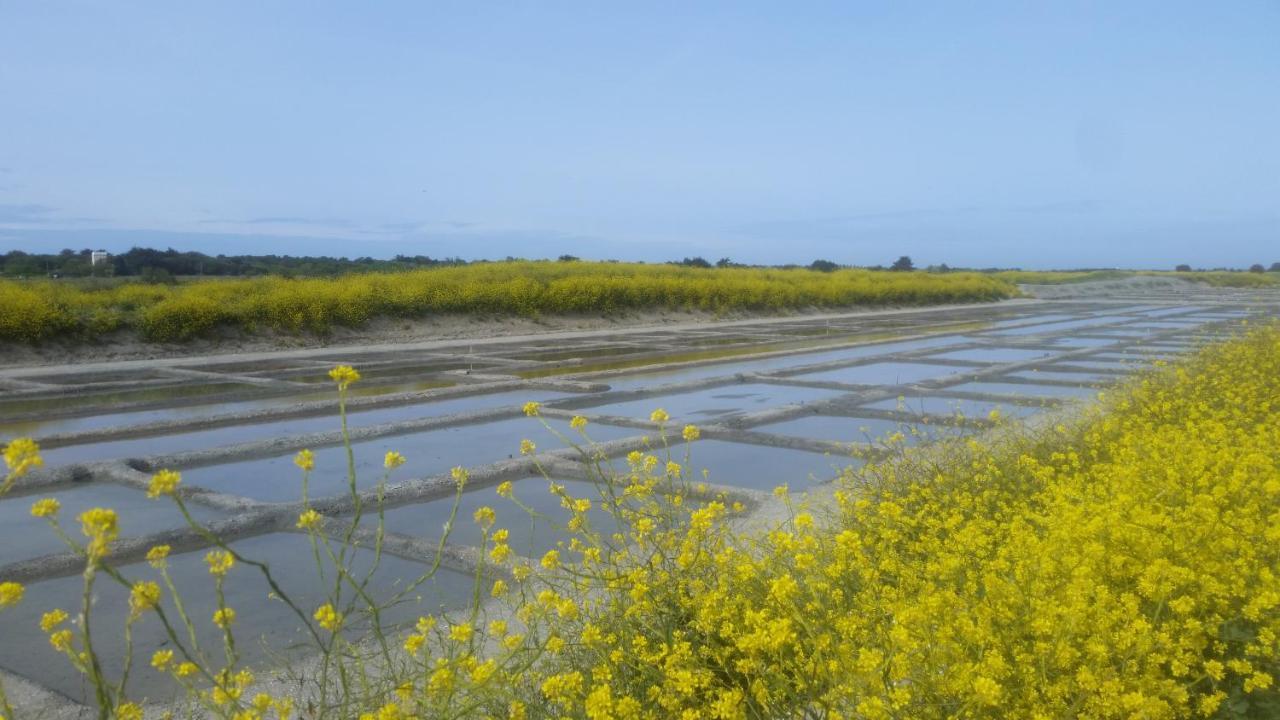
column 1015, row 134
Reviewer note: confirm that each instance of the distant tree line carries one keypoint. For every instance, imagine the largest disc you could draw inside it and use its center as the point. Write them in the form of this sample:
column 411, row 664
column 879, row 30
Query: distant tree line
column 161, row 265
column 164, row 265
column 1254, row 268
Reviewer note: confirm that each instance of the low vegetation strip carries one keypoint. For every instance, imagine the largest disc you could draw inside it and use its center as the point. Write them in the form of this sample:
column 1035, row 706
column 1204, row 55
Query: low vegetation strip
column 1124, row 565
column 37, row 310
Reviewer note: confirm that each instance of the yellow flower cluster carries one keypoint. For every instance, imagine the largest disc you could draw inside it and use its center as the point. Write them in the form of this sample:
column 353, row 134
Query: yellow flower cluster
column 101, row 526
column 32, row 310
column 164, row 482
column 1127, row 567
column 344, row 375
column 20, row 456
column 328, row 618
column 220, row 562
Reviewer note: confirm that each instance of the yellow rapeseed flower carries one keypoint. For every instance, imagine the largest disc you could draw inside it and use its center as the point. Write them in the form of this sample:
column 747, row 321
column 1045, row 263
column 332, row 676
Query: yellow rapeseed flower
column 164, row 482
column 531, row 409
column 20, row 455
column 344, row 375
column 158, row 556
column 309, row 519
column 460, row 476
column 484, row 516
column 328, row 618
column 52, row 619
column 162, row 659
column 11, row 594
column 691, row 433
column 393, row 460
column 145, row 595
column 101, row 526
column 659, row 416
column 305, row 459
column 219, row 562
column 499, row 553
column 527, row 447
column 461, row 632
column 551, row 560
column 45, row 508
column 224, row 617
column 577, row 422
column 414, row 643
column 61, row 640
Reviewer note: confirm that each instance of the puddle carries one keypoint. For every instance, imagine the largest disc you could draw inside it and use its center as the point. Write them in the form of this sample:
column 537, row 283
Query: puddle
column 858, row 430
column 1025, row 390
column 27, row 537
column 885, row 373
column 235, row 434
column 435, row 452
column 993, row 355
column 259, row 619
column 947, row 407
column 713, row 403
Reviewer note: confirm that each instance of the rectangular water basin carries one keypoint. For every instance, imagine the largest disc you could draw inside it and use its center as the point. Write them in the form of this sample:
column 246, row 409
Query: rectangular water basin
column 26, row 537
column 629, row 382
column 1172, row 311
column 236, row 434
column 259, row 618
column 1032, row 319
column 106, row 400
column 529, row 536
column 434, row 452
column 884, row 373
column 1025, row 390
column 1083, row 342
column 1077, row 377
column 759, row 467
column 993, row 355
column 1054, row 327
column 860, row 430
column 718, row 402
column 945, row 406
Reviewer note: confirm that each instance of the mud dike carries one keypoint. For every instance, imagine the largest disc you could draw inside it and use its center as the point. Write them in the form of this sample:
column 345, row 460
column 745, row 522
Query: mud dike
column 777, row 401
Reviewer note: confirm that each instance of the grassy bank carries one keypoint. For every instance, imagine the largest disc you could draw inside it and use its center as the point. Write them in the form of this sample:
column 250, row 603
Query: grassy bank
column 38, row 310
column 1053, row 277
column 1125, row 566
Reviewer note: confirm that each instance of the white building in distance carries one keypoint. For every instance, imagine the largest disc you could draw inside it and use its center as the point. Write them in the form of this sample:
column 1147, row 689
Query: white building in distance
column 97, row 257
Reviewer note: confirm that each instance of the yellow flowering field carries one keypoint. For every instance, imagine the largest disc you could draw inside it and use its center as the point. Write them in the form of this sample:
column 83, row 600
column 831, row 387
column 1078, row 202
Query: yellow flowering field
column 1122, row 564
column 45, row 309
